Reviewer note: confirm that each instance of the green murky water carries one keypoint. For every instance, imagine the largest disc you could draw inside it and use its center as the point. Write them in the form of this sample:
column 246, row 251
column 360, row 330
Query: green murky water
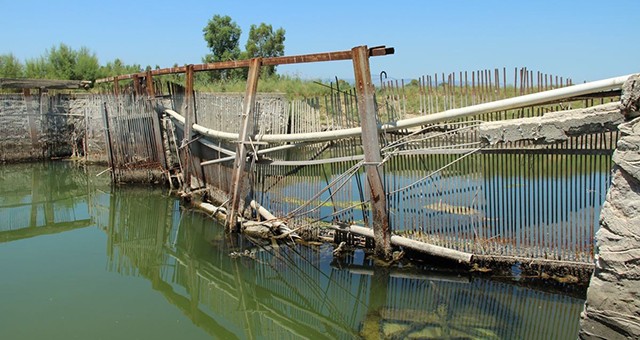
column 80, row 259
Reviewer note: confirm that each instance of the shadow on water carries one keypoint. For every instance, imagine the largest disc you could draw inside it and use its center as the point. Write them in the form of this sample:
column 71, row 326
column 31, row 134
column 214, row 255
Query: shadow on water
column 232, row 288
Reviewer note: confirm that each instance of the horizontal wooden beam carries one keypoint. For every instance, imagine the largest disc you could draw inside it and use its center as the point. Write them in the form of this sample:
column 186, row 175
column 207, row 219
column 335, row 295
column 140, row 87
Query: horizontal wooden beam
column 25, row 83
column 226, row 65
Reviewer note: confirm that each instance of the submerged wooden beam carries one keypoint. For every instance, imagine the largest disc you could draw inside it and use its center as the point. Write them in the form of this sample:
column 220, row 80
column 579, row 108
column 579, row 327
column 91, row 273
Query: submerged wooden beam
column 241, row 148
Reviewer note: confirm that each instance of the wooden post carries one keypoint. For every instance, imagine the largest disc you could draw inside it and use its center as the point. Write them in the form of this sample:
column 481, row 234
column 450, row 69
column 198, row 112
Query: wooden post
column 116, row 87
column 151, row 93
column 371, row 148
column 188, row 127
column 155, row 120
column 137, row 89
column 107, row 134
column 241, row 148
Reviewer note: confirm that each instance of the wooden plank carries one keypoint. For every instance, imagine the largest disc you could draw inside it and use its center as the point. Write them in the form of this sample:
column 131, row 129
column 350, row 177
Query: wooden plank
column 241, row 148
column 371, row 147
column 24, row 83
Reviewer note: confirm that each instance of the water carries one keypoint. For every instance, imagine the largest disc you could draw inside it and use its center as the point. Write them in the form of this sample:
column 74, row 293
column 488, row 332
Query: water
column 82, row 259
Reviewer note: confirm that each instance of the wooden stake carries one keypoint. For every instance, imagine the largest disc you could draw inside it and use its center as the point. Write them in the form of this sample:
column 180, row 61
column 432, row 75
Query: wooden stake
column 241, row 149
column 371, row 148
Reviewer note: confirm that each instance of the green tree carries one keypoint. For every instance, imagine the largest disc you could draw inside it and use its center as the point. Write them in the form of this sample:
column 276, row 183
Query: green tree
column 36, row 68
column 264, row 42
column 10, row 66
column 222, row 36
column 87, row 66
column 61, row 62
column 118, row 67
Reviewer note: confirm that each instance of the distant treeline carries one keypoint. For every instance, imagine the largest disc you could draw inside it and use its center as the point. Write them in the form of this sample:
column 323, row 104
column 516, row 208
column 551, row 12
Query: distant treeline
column 63, row 62
column 221, row 35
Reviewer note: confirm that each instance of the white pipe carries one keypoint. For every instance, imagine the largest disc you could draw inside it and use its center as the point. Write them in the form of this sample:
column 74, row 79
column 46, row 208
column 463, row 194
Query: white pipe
column 499, row 105
column 423, row 247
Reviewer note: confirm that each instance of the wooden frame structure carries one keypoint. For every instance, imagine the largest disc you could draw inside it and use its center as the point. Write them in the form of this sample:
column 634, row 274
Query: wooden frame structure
column 366, row 107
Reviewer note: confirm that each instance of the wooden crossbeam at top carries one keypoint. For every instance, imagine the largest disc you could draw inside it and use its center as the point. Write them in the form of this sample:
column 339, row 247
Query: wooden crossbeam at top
column 225, row 65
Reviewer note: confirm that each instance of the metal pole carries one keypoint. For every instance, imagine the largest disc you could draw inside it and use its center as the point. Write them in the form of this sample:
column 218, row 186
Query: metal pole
column 371, row 147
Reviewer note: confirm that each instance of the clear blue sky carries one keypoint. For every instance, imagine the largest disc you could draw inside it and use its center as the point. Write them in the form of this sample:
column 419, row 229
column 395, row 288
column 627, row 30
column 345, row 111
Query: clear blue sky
column 585, row 40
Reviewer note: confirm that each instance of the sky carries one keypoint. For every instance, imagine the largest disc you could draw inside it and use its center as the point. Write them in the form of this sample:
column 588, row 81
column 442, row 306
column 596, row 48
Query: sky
column 583, row 40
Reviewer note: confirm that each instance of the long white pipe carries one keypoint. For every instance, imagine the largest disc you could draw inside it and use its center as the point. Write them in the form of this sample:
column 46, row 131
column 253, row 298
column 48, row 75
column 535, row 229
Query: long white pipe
column 499, row 105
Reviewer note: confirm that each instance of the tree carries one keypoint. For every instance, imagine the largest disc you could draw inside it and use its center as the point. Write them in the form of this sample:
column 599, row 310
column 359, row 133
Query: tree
column 87, row 66
column 118, row 67
column 222, row 36
column 10, row 66
column 36, row 68
column 264, row 42
column 61, row 62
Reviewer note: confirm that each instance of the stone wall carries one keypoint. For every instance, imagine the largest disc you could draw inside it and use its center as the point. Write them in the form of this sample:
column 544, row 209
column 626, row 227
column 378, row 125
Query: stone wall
column 46, row 126
column 612, row 309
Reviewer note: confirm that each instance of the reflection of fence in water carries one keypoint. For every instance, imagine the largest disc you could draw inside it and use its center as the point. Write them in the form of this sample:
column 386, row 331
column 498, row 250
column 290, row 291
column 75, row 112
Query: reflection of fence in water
column 46, row 197
column 295, row 291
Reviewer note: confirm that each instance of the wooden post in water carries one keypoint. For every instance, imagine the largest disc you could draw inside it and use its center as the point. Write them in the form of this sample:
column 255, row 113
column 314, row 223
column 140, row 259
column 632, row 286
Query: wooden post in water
column 241, row 148
column 107, row 134
column 371, row 147
column 188, row 127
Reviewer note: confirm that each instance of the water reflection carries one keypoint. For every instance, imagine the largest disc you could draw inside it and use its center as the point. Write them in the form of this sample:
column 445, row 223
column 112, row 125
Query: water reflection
column 268, row 291
column 38, row 199
column 281, row 292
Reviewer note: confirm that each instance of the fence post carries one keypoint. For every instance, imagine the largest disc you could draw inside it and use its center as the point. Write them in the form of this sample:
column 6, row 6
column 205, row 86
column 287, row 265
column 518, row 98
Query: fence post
column 107, row 135
column 188, row 126
column 151, row 92
column 241, row 148
column 371, row 147
column 137, row 89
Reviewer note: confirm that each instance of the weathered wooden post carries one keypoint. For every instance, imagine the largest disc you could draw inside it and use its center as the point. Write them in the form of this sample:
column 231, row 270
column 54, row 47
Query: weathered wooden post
column 151, row 92
column 155, row 120
column 188, row 126
column 241, row 148
column 137, row 89
column 371, row 147
column 116, row 86
column 107, row 135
